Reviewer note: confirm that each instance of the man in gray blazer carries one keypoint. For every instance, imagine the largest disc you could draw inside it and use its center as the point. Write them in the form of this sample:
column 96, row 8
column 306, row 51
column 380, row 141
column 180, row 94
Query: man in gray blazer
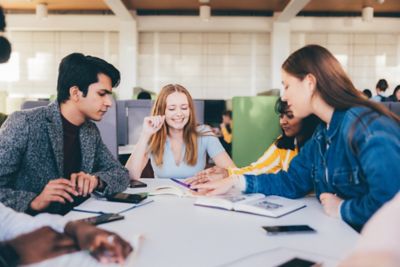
column 51, row 157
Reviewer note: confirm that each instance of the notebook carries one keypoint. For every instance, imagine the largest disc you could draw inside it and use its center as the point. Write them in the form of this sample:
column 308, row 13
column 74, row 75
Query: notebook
column 180, row 189
column 172, row 190
column 271, row 206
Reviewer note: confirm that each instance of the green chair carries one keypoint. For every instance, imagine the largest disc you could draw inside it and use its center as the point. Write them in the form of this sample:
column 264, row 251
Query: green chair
column 255, row 127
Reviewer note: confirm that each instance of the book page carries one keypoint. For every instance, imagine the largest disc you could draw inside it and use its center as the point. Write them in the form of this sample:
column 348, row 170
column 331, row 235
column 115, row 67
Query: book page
column 171, row 190
column 273, row 206
column 227, row 201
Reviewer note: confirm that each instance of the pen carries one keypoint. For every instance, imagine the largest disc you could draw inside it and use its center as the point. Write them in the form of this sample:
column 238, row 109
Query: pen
column 182, row 184
column 137, row 206
column 88, row 211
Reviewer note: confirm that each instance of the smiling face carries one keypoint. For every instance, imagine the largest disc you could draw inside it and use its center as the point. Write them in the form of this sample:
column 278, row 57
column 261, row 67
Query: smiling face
column 289, row 124
column 298, row 94
column 97, row 100
column 177, row 111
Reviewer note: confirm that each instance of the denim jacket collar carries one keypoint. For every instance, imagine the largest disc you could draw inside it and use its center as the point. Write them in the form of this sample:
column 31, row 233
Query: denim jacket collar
column 336, row 121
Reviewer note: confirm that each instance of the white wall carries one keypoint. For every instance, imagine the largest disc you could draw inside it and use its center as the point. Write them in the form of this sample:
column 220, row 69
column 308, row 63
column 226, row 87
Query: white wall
column 33, row 68
column 366, row 57
column 225, row 57
column 210, row 65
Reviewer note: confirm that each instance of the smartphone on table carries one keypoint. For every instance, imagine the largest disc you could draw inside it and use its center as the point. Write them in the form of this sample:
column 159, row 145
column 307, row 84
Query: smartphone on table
column 297, row 262
column 136, row 184
column 288, row 229
column 103, row 218
column 127, row 198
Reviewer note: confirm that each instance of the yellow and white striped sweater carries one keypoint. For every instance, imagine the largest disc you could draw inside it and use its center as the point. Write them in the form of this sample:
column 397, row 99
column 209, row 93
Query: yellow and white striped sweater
column 273, row 160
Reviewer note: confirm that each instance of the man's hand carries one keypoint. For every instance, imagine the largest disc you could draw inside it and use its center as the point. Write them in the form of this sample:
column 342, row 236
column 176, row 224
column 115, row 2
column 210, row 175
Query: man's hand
column 212, row 174
column 331, row 204
column 104, row 246
column 59, row 190
column 41, row 244
column 84, row 183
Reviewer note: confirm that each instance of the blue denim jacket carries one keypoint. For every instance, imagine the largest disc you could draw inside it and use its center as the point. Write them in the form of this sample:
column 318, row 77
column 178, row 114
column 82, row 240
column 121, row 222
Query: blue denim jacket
column 357, row 158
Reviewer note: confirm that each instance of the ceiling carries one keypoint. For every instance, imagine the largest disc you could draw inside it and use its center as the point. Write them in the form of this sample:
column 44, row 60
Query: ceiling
column 185, row 7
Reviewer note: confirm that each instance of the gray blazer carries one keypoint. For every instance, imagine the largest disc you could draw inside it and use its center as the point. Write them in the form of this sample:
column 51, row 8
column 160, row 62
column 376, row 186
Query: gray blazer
column 31, row 154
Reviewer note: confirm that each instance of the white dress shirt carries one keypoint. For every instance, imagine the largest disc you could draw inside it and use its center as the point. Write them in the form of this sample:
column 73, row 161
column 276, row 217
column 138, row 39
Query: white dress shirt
column 13, row 224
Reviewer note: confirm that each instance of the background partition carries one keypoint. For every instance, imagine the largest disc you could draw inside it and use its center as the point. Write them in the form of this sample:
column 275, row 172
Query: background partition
column 107, row 126
column 108, row 129
column 255, row 127
column 130, row 115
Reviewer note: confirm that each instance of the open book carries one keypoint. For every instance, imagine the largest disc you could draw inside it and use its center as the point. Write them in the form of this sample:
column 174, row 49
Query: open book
column 180, row 190
column 172, row 190
column 271, row 206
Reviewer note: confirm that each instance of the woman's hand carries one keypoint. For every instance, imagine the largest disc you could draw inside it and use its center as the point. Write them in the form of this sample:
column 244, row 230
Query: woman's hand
column 208, row 175
column 217, row 187
column 152, row 124
column 331, row 204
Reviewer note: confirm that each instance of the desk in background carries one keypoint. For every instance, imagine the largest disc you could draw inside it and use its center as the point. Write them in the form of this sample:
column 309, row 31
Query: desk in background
column 177, row 233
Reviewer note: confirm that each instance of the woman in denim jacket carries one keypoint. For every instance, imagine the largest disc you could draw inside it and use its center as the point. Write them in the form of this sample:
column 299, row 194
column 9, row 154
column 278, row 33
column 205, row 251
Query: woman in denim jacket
column 353, row 159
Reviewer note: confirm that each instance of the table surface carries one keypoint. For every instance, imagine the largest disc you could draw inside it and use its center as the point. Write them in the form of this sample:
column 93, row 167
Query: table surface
column 177, row 233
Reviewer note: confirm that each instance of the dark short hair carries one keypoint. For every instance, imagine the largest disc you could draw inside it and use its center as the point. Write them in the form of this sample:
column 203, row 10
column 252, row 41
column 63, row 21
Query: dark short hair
column 308, row 125
column 367, row 93
column 144, row 95
column 5, row 49
column 227, row 113
column 382, row 85
column 2, row 20
column 81, row 71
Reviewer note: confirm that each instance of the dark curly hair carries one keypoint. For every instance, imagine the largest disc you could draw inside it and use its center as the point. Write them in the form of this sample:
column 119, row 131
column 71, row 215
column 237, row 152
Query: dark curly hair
column 308, row 126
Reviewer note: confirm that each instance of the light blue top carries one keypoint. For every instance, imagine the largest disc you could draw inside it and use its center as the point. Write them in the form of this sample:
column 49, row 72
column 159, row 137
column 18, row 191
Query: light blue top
column 377, row 98
column 207, row 144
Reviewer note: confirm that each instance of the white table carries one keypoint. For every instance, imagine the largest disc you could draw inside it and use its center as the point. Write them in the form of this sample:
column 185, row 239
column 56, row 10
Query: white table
column 177, row 233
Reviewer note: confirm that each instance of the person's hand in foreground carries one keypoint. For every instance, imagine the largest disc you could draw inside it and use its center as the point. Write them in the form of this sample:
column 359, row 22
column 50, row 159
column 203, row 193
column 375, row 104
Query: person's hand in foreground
column 105, row 246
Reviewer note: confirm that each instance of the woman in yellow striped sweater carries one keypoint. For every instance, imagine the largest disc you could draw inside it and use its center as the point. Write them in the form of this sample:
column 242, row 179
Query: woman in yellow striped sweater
column 295, row 133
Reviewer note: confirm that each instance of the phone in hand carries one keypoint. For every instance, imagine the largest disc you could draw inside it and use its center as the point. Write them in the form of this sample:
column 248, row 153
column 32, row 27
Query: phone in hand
column 136, row 184
column 104, row 218
column 288, row 229
column 297, row 262
column 127, row 198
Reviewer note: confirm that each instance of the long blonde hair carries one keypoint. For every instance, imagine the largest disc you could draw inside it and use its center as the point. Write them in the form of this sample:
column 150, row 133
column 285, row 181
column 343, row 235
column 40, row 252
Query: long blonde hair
column 158, row 140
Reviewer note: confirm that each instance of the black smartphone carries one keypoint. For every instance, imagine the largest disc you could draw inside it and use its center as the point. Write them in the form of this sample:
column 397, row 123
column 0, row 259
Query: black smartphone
column 288, row 229
column 127, row 198
column 137, row 184
column 104, row 218
column 297, row 262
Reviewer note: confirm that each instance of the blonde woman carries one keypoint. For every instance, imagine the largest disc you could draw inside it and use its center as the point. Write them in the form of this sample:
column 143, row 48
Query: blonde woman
column 176, row 146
